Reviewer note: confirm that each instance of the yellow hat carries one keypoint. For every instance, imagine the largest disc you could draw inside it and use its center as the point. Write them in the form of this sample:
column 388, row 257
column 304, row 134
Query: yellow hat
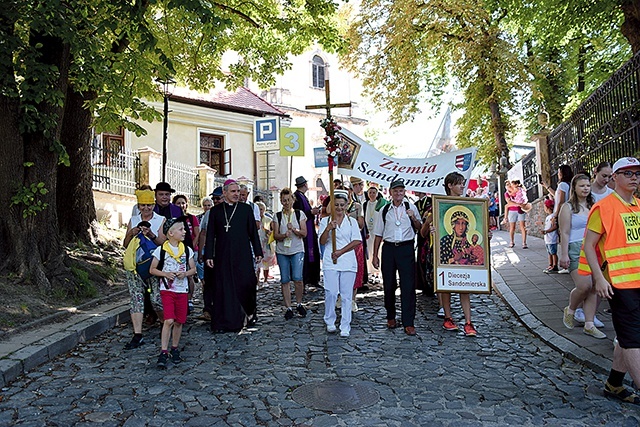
column 146, row 197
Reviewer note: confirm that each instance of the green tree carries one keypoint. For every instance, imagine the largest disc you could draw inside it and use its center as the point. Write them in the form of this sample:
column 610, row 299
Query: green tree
column 68, row 65
column 408, row 52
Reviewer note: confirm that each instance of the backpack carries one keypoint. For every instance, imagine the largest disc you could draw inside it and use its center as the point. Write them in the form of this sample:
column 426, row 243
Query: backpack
column 296, row 211
column 144, row 255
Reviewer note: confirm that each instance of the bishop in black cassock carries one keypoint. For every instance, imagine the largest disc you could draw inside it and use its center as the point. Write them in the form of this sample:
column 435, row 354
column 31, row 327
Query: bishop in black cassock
column 230, row 234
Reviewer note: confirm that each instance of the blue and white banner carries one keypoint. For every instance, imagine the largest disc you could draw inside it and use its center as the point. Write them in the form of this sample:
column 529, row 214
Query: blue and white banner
column 425, row 175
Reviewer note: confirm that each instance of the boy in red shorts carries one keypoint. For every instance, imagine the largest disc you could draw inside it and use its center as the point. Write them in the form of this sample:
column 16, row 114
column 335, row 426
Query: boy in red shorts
column 172, row 263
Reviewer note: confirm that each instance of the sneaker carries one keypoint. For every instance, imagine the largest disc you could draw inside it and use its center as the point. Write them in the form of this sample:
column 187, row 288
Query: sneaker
column 449, row 325
column 441, row 313
column 578, row 316
column 190, row 307
column 162, row 360
column 331, row 329
column 597, row 322
column 469, row 330
column 134, row 343
column 567, row 318
column 175, row 356
column 354, row 306
column 549, row 269
column 301, row 310
column 594, row 332
column 621, row 393
column 344, row 334
column 289, row 314
column 563, row 271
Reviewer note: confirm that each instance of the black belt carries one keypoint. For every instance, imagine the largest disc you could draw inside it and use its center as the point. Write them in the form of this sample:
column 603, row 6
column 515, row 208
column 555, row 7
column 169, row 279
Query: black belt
column 406, row 242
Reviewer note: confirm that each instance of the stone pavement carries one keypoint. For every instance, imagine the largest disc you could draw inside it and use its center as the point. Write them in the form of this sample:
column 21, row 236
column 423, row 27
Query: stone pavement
column 505, row 376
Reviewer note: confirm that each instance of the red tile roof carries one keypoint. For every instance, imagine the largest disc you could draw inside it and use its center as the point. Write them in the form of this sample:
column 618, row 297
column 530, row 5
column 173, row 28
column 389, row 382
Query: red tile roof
column 241, row 101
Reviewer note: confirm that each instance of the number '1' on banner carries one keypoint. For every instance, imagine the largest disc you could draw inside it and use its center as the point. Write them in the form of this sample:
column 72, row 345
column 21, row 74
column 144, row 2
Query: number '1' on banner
column 292, row 141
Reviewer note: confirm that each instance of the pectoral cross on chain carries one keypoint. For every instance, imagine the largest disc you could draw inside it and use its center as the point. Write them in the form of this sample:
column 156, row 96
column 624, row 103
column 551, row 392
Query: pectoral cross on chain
column 227, row 227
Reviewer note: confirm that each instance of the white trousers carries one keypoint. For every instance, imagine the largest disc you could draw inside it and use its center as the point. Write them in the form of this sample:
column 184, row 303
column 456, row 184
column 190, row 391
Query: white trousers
column 338, row 282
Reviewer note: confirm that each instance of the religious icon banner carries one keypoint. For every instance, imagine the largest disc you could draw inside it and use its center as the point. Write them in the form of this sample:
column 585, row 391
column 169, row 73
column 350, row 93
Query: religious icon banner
column 461, row 247
column 358, row 158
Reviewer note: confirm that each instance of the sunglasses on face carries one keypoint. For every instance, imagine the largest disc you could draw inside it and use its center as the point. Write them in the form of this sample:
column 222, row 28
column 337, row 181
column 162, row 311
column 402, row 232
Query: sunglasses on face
column 629, row 174
column 217, row 198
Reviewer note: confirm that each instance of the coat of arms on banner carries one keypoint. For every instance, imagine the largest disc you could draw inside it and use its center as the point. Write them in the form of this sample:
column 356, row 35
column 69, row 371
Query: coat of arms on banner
column 463, row 161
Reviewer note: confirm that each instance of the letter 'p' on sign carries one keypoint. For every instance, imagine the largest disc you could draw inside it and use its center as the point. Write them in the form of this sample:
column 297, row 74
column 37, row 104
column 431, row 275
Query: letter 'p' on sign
column 266, row 134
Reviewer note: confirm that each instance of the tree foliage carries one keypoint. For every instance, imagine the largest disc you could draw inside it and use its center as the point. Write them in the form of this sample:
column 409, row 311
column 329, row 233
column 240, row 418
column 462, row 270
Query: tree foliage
column 69, row 65
column 505, row 59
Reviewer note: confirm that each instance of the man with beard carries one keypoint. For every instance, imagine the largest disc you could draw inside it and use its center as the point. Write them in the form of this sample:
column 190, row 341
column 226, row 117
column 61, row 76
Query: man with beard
column 230, row 236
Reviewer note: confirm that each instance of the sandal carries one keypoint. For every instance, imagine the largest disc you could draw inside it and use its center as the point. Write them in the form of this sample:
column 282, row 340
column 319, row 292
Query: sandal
column 512, row 245
column 525, row 247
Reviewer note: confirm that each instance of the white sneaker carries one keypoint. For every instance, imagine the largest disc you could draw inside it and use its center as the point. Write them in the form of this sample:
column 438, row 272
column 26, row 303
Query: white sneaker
column 331, row 329
column 578, row 316
column 441, row 313
column 344, row 334
column 597, row 322
column 563, row 271
column 354, row 306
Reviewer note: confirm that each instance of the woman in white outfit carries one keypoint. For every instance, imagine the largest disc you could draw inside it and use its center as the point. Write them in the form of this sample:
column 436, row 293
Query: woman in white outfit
column 339, row 264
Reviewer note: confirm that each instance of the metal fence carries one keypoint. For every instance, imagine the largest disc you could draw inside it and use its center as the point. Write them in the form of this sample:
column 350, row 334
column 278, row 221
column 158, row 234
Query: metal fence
column 185, row 180
column 115, row 169
column 604, row 128
column 530, row 175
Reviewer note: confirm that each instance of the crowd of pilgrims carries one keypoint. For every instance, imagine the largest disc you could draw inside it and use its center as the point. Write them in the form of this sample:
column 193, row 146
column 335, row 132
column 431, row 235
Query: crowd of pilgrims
column 231, row 247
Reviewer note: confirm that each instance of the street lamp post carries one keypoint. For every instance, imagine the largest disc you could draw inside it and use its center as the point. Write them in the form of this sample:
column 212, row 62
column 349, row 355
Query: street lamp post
column 166, row 93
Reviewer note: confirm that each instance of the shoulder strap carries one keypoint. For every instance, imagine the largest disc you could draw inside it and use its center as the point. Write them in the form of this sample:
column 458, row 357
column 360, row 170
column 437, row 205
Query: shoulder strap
column 279, row 216
column 297, row 211
column 163, row 253
column 385, row 209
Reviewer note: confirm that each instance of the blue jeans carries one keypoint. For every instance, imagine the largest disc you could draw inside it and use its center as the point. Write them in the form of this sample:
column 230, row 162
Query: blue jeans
column 290, row 267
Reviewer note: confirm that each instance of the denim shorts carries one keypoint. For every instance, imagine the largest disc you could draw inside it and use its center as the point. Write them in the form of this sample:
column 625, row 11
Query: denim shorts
column 290, row 267
column 574, row 255
column 552, row 248
column 515, row 216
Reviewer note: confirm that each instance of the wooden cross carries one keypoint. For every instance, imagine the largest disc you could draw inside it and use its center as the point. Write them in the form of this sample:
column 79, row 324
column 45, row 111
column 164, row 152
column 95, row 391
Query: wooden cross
column 328, row 106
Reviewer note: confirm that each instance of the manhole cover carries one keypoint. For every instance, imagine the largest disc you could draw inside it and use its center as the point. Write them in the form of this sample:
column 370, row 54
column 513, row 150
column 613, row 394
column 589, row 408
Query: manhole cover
column 335, row 396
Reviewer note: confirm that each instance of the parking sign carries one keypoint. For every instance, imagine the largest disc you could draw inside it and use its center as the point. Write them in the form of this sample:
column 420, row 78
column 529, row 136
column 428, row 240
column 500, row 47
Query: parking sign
column 266, row 134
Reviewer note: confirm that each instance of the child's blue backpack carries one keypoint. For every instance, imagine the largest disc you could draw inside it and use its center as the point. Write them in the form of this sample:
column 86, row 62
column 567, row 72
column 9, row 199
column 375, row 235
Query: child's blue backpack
column 144, row 255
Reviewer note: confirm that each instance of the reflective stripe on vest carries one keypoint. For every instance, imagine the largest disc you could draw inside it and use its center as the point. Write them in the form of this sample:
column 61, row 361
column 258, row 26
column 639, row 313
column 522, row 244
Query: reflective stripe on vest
column 621, row 223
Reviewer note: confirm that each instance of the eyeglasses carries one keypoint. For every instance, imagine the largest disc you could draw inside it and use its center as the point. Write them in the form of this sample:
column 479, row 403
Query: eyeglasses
column 629, row 174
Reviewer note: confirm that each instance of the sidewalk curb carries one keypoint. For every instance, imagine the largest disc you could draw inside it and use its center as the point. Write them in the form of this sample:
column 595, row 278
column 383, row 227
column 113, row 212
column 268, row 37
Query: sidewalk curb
column 24, row 352
column 568, row 348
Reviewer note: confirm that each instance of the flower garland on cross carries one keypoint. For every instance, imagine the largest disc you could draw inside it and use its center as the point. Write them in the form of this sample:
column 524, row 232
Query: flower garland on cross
column 332, row 140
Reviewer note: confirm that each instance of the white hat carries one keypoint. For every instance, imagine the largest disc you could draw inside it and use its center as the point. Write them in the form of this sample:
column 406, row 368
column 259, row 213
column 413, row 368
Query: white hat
column 624, row 163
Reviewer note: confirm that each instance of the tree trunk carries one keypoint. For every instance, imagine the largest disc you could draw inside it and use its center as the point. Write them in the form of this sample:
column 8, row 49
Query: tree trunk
column 30, row 158
column 631, row 25
column 498, row 127
column 75, row 205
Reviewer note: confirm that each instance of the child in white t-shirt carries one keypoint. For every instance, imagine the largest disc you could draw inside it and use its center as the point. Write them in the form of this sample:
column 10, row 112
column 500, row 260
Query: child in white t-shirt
column 551, row 236
column 173, row 263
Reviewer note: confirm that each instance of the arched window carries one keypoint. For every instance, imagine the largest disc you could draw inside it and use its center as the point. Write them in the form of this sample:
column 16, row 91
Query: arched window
column 317, row 72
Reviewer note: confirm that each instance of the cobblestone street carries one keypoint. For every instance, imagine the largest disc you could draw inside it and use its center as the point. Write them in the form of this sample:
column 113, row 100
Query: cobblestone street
column 504, row 376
